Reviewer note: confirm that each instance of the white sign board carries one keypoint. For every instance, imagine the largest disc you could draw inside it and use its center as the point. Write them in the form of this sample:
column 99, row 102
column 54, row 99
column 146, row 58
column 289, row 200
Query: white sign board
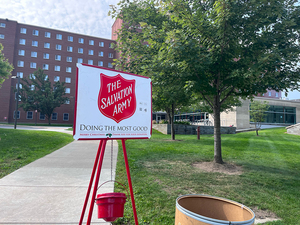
column 111, row 104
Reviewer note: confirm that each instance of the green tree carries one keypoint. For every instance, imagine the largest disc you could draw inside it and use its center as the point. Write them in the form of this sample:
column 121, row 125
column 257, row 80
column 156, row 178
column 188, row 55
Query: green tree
column 39, row 94
column 5, row 67
column 138, row 48
column 234, row 49
column 226, row 50
column 257, row 113
column 170, row 98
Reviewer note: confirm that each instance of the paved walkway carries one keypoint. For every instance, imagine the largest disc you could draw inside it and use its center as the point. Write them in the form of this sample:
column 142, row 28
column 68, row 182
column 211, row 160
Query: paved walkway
column 52, row 190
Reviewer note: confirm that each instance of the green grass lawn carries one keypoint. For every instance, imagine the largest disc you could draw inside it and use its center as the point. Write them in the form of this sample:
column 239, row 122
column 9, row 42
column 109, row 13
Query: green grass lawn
column 162, row 170
column 20, row 147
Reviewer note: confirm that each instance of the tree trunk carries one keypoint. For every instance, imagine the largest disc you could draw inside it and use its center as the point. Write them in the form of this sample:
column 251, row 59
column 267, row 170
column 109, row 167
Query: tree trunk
column 168, row 115
column 217, row 133
column 49, row 120
column 172, row 123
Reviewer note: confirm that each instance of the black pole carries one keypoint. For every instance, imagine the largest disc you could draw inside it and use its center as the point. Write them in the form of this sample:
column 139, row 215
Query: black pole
column 17, row 101
column 35, row 113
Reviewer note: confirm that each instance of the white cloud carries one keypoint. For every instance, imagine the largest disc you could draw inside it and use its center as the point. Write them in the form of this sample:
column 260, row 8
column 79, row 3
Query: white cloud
column 86, row 17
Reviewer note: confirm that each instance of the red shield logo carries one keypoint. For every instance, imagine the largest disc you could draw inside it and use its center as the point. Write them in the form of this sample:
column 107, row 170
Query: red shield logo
column 116, row 98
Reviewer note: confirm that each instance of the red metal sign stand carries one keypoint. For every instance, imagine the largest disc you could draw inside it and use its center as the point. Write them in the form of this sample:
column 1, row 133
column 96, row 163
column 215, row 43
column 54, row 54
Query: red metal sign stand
column 97, row 166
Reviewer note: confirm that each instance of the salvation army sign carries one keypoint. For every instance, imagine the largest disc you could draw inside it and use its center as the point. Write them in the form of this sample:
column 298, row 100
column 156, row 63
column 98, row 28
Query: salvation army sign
column 117, row 97
column 111, row 103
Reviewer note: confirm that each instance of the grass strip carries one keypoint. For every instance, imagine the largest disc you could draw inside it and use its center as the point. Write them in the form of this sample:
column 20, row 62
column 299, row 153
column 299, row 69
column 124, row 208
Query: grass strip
column 20, row 147
column 162, row 170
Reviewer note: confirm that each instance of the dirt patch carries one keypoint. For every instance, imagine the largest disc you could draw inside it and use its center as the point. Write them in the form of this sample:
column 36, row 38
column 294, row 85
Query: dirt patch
column 226, row 168
column 263, row 216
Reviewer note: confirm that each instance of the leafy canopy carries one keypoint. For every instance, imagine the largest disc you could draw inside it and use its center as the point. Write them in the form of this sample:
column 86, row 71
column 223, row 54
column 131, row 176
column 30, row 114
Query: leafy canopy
column 5, row 67
column 258, row 112
column 234, row 49
column 139, row 41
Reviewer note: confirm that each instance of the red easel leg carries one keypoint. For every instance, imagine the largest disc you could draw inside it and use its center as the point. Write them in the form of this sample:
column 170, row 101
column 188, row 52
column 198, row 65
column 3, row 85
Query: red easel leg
column 91, row 182
column 129, row 182
column 96, row 182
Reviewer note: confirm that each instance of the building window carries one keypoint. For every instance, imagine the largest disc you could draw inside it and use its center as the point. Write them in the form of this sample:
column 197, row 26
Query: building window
column 46, row 77
column 68, row 90
column 33, row 65
column 68, row 80
column 110, row 65
column 56, row 68
column 21, row 52
column 58, row 47
column 70, row 49
column 46, row 45
column 100, row 54
column 20, row 87
column 35, row 43
column 80, row 50
column 45, row 66
column 90, row 61
column 66, row 117
column 68, row 69
column 32, row 87
column 54, row 116
column 29, row 115
column 80, row 60
column 20, row 74
column 56, row 78
column 280, row 114
column 57, row 57
column 67, row 102
column 110, row 55
column 276, row 94
column 58, row 36
column 20, row 63
column 46, row 56
column 42, row 116
column 34, row 54
column 18, row 114
column 22, row 42
column 1, row 36
column 70, row 38
column 111, row 45
column 270, row 94
column 100, row 63
column 101, row 44
column 2, row 25
column 80, row 40
column 69, row 59
column 91, row 52
column 35, row 32
column 47, row 34
column 32, row 76
column 91, row 42
column 23, row 30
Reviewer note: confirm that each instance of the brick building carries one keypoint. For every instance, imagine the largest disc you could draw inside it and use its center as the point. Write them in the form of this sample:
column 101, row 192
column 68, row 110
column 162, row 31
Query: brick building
column 29, row 47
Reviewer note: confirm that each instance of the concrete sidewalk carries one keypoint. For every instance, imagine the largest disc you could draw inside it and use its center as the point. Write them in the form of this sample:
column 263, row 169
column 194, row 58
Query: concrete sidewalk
column 38, row 127
column 52, row 190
